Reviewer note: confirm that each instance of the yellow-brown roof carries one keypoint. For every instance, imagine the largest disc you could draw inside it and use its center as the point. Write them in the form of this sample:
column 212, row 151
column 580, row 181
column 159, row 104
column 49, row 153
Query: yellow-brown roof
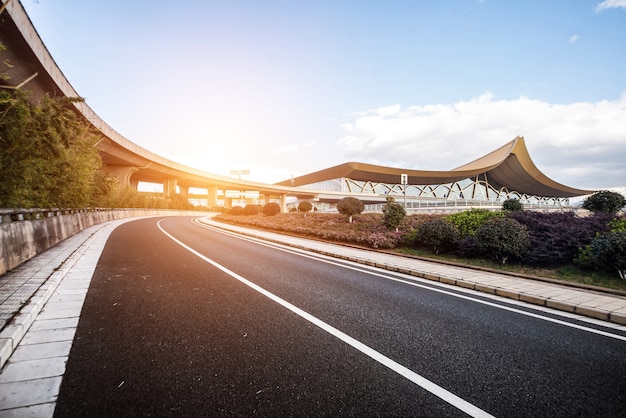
column 509, row 166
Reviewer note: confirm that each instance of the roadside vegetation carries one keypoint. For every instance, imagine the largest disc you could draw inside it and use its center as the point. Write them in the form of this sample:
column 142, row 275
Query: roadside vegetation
column 48, row 159
column 557, row 245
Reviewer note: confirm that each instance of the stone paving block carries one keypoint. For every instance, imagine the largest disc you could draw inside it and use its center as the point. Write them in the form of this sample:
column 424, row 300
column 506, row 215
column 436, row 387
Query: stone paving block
column 48, row 324
column 29, row 392
column 52, row 313
column 618, row 318
column 486, row 288
column 511, row 294
column 26, row 352
column 48, row 336
column 592, row 312
column 447, row 280
column 465, row 284
column 560, row 305
column 45, row 410
column 17, row 371
column 535, row 300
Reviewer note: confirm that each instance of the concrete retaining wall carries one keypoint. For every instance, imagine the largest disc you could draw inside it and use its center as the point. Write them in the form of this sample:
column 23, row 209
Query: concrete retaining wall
column 23, row 239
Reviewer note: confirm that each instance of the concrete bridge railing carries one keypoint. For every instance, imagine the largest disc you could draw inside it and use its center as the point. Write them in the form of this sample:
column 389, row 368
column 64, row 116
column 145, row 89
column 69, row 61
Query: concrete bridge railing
column 25, row 233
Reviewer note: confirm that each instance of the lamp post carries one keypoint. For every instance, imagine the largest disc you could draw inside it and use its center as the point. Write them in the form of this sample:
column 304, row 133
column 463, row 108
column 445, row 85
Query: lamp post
column 239, row 173
column 404, row 180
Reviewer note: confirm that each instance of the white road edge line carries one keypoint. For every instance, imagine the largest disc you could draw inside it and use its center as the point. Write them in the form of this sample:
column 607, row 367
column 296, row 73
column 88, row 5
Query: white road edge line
column 413, row 282
column 431, row 387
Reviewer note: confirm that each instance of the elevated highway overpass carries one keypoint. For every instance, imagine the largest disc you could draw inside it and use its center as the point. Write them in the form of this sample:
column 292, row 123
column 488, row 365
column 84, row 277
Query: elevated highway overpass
column 30, row 67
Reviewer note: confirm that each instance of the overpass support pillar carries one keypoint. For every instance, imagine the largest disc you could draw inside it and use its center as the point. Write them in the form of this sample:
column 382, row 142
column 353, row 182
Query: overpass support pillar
column 169, row 187
column 211, row 196
column 184, row 192
column 123, row 174
column 283, row 203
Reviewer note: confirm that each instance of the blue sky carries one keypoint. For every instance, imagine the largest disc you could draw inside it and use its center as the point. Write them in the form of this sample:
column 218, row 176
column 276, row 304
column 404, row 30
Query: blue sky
column 288, row 87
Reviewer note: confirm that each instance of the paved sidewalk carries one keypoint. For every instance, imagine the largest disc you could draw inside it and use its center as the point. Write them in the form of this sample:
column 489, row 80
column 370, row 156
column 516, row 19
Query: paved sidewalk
column 47, row 293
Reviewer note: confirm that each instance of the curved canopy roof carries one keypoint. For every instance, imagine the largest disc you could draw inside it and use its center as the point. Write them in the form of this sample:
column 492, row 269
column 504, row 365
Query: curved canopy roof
column 509, row 166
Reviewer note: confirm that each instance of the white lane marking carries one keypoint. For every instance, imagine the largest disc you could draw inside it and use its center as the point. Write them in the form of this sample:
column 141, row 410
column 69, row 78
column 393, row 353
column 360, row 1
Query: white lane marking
column 412, row 282
column 424, row 383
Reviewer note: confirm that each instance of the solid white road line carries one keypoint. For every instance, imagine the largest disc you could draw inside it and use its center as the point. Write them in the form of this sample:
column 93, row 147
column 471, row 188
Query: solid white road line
column 424, row 383
column 415, row 282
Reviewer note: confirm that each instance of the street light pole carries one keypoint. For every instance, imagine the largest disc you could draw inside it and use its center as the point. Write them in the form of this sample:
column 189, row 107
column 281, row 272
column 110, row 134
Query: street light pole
column 404, row 179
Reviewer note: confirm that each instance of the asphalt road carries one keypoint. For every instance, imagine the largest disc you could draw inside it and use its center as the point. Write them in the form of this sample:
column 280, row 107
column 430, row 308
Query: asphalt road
column 225, row 326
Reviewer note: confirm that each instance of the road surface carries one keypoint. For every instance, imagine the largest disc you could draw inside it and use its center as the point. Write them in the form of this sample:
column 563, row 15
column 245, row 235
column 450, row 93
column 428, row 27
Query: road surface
column 184, row 320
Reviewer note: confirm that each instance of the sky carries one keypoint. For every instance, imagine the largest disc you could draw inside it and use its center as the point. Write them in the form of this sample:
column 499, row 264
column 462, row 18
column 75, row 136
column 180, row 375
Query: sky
column 287, row 87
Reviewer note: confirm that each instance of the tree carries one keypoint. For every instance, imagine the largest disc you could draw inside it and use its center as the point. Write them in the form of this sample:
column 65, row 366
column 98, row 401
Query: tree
column 393, row 213
column 305, row 206
column 439, row 234
column 512, row 205
column 350, row 206
column 604, row 201
column 503, row 238
column 271, row 209
column 48, row 157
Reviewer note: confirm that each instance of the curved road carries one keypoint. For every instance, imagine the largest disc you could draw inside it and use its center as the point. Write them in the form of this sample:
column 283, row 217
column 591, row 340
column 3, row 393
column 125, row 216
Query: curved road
column 184, row 320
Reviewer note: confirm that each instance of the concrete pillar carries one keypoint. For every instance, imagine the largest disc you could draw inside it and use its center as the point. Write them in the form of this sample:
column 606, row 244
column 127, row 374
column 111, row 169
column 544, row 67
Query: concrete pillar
column 211, row 196
column 184, row 192
column 123, row 174
column 169, row 187
column 283, row 203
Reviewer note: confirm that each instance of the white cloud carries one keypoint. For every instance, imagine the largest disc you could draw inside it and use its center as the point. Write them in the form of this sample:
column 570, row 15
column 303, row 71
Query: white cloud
column 579, row 144
column 573, row 38
column 610, row 4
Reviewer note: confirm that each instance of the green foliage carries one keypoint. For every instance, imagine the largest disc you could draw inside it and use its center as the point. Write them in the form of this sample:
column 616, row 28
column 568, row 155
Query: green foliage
column 350, row 206
column 469, row 221
column 438, row 234
column 393, row 213
column 618, row 224
column 502, row 238
column 606, row 252
column 271, row 209
column 604, row 201
column 48, row 156
column 305, row 206
column 512, row 205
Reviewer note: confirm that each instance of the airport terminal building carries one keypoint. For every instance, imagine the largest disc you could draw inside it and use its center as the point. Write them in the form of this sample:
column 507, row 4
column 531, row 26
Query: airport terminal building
column 505, row 173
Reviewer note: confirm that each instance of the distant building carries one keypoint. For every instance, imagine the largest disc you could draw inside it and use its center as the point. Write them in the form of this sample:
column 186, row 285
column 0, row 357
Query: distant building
column 507, row 172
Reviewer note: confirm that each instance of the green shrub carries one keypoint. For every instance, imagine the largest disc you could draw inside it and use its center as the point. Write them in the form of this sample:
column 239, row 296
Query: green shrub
column 605, row 201
column 502, row 238
column 236, row 210
column 468, row 222
column 250, row 210
column 512, row 205
column 438, row 234
column 606, row 252
column 350, row 206
column 271, row 209
column 305, row 206
column 393, row 213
